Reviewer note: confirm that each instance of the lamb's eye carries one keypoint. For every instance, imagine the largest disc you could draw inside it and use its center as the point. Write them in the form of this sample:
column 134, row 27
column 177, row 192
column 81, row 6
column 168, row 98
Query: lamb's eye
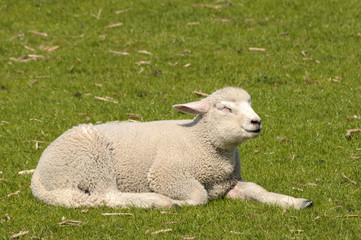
column 224, row 108
column 227, row 109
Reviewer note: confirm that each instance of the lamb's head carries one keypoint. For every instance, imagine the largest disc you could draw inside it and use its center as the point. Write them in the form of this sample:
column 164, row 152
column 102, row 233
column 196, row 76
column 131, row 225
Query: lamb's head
column 226, row 116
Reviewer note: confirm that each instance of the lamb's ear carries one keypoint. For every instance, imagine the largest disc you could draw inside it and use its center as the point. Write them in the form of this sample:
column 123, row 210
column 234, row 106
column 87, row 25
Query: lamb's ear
column 193, row 107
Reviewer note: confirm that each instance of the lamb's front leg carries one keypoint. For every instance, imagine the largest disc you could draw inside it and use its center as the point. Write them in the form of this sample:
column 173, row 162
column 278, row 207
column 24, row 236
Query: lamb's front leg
column 252, row 191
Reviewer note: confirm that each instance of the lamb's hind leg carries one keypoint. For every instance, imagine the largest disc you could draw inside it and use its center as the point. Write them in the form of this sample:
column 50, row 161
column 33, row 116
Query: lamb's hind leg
column 252, row 191
column 77, row 170
column 102, row 179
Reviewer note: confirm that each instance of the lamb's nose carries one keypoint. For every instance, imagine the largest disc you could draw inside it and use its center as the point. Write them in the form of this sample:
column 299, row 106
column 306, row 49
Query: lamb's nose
column 256, row 122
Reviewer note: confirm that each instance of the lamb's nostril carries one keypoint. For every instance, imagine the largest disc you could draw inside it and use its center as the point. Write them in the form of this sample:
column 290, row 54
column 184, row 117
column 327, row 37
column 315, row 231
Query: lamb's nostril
column 256, row 122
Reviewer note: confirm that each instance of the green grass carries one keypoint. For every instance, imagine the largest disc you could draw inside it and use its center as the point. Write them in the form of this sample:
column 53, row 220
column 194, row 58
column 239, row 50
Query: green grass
column 306, row 99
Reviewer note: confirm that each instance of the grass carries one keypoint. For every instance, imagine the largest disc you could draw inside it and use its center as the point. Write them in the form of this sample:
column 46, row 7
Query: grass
column 304, row 86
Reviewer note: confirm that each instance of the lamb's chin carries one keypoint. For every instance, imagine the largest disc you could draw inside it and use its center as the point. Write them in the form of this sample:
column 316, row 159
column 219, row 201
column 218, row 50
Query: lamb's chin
column 250, row 134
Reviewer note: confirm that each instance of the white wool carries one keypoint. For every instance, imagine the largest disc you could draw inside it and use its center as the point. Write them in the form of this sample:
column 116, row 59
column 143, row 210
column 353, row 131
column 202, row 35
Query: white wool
column 154, row 164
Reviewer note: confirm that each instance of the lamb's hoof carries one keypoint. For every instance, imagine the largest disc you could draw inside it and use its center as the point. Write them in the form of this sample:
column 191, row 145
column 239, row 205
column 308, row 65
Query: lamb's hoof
column 306, row 204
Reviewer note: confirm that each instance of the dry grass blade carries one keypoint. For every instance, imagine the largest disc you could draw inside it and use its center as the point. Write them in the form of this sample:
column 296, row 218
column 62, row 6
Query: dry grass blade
column 281, row 139
column 193, row 23
column 188, row 237
column 187, row 65
column 172, row 64
column 144, row 63
column 38, row 33
column 71, row 68
column 19, row 234
column 21, row 35
column 299, row 184
column 24, row 172
column 257, row 49
column 336, row 207
column 348, row 179
column 297, row 230
column 223, row 20
column 297, row 189
column 118, row 53
column 71, row 222
column 200, row 94
column 269, row 153
column 352, row 117
column 212, row 6
column 98, row 15
column 167, row 223
column 186, row 51
column 336, row 79
column 234, row 232
column 164, row 212
column 36, row 56
column 114, row 25
column 106, row 99
column 271, row 117
column 103, row 36
column 35, row 119
column 117, row 214
column 37, row 145
column 41, row 77
column 14, row 193
column 29, row 48
column 122, row 11
column 349, row 131
column 134, row 116
column 208, row 6
column 162, row 231
column 51, row 49
column 27, row 58
column 348, row 216
column 145, row 52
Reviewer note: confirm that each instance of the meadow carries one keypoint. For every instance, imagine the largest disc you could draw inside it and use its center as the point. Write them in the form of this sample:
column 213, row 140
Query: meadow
column 63, row 63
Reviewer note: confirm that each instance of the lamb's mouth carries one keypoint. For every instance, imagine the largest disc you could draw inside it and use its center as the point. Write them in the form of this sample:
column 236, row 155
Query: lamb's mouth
column 258, row 131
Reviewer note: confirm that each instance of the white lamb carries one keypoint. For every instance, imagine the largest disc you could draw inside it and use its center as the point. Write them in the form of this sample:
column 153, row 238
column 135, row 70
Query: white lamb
column 157, row 164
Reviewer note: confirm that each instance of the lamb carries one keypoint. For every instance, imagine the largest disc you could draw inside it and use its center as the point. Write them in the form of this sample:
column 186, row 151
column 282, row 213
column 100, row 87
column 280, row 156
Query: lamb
column 157, row 164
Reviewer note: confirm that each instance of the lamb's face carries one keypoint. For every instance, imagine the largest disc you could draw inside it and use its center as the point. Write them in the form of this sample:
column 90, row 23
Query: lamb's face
column 234, row 119
column 228, row 116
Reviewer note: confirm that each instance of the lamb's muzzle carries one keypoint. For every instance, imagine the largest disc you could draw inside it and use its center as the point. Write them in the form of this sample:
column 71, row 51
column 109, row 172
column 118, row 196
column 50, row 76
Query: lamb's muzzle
column 257, row 122
column 258, row 125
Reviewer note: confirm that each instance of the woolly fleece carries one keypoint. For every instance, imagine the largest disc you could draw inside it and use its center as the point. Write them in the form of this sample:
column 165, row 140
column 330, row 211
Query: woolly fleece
column 151, row 164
